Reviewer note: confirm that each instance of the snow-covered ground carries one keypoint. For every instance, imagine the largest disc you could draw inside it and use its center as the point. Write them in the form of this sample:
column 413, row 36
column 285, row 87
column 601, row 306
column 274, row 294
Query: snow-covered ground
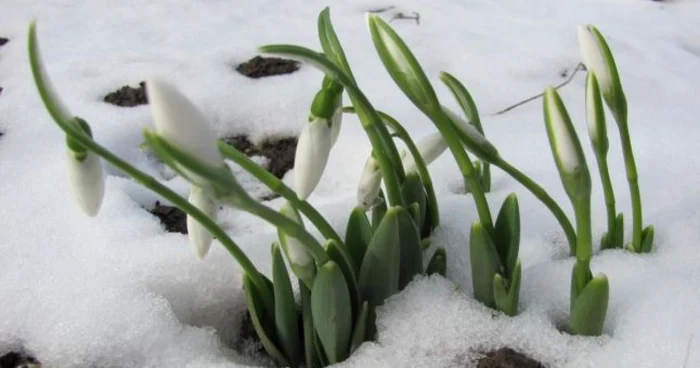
column 118, row 291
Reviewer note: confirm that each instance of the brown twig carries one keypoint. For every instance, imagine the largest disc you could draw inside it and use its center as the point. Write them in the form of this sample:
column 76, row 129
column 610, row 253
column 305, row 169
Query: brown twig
column 578, row 67
column 687, row 352
column 400, row 15
column 381, row 10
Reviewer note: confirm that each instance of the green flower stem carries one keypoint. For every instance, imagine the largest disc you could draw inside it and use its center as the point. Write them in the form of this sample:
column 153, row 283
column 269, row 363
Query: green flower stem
column 287, row 226
column 179, row 202
column 607, row 191
column 465, row 165
column 584, row 247
column 277, row 186
column 632, row 180
column 420, row 163
column 544, row 197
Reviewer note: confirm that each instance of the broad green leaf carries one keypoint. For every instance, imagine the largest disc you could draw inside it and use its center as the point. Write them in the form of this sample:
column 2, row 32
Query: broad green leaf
column 402, row 65
column 438, row 263
column 310, row 352
column 590, row 307
column 411, row 254
column 507, row 233
column 413, row 192
column 342, row 258
column 580, row 276
column 263, row 321
column 286, row 321
column 357, row 236
column 485, row 264
column 332, row 315
column 359, row 331
column 507, row 292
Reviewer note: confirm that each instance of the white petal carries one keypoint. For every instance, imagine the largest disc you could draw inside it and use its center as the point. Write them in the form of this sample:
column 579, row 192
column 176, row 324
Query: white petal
column 86, row 181
column 469, row 130
column 593, row 58
column 337, row 119
column 563, row 140
column 430, row 148
column 180, row 123
column 200, row 237
column 370, row 184
column 311, row 157
column 592, row 117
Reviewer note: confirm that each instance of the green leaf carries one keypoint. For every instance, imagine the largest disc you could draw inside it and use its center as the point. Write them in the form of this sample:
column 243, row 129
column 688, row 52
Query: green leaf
column 342, row 258
column 402, row 65
column 485, row 264
column 506, row 293
column 507, row 233
column 411, row 263
column 378, row 211
column 332, row 315
column 310, row 352
column 619, row 231
column 263, row 321
column 580, row 276
column 413, row 192
column 359, row 331
column 590, row 307
column 647, row 239
column 464, row 99
column 286, row 321
column 330, row 43
column 438, row 263
column 357, row 236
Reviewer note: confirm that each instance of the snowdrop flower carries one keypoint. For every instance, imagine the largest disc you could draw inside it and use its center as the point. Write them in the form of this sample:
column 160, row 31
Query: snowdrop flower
column 86, row 180
column 473, row 139
column 598, row 59
column 595, row 117
column 430, row 148
column 313, row 148
column 182, row 125
column 200, row 237
column 298, row 256
column 370, row 184
column 337, row 119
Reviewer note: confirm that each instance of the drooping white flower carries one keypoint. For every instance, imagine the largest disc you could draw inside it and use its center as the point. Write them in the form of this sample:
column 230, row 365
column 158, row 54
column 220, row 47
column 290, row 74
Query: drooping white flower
column 337, row 119
column 181, row 124
column 300, row 260
column 370, row 184
column 86, row 180
column 200, row 237
column 475, row 141
column 430, row 148
column 313, row 148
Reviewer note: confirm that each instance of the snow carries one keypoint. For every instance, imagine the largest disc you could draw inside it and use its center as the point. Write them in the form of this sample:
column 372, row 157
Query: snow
column 117, row 290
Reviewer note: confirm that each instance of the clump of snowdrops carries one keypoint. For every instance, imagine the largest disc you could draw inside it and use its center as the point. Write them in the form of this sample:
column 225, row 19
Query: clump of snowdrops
column 343, row 279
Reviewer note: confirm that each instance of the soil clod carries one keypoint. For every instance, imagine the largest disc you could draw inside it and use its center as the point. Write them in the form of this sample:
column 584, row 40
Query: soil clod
column 507, row 358
column 280, row 152
column 173, row 218
column 259, row 67
column 18, row 360
column 3, row 41
column 128, row 96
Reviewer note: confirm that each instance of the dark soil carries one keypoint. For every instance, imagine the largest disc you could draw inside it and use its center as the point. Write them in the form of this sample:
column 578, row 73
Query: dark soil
column 280, row 152
column 259, row 67
column 128, row 96
column 3, row 41
column 507, row 358
column 18, row 360
column 175, row 221
column 0, row 90
column 248, row 342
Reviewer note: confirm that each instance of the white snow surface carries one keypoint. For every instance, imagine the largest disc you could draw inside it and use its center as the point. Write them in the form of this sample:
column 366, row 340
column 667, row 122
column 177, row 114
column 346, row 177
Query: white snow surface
column 118, row 291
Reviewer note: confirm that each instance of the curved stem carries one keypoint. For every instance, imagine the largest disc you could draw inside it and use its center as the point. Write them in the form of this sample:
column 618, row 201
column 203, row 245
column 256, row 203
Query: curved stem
column 289, row 227
column 544, row 197
column 607, row 193
column 584, row 248
column 179, row 202
column 278, row 186
column 632, row 180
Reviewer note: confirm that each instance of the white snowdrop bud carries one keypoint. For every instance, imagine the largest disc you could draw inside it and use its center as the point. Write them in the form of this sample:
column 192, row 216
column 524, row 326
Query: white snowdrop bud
column 370, row 184
column 595, row 116
column 313, row 148
column 430, row 148
column 200, row 237
column 86, row 180
column 473, row 139
column 561, row 132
